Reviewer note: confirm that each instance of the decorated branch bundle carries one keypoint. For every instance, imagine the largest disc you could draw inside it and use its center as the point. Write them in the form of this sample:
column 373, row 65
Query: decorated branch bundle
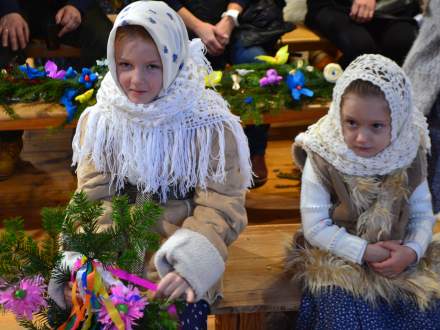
column 105, row 294
column 251, row 89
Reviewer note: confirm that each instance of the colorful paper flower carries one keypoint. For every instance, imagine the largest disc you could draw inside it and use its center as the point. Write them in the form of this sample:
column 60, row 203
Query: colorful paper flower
column 213, row 79
column 271, row 78
column 87, row 78
column 103, row 62
column 83, row 98
column 25, row 298
column 67, row 101
column 31, row 72
column 249, row 100
column 281, row 56
column 332, row 72
column 128, row 302
column 70, row 73
column 295, row 82
column 52, row 70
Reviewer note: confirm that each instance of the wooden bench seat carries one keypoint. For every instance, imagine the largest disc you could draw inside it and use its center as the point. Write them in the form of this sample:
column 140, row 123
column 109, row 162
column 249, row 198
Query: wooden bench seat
column 254, row 282
column 302, row 39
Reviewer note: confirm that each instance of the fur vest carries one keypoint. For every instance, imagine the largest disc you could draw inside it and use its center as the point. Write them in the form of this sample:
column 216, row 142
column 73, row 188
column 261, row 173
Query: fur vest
column 364, row 206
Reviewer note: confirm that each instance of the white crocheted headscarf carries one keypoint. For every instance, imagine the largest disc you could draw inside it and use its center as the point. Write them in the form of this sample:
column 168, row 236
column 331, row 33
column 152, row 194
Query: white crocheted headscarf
column 408, row 125
column 178, row 140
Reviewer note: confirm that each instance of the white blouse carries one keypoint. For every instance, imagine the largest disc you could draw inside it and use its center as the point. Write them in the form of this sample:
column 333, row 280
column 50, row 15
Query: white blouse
column 320, row 230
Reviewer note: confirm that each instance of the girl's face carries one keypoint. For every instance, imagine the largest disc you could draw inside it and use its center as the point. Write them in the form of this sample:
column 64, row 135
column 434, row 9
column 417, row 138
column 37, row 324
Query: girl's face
column 366, row 124
column 139, row 69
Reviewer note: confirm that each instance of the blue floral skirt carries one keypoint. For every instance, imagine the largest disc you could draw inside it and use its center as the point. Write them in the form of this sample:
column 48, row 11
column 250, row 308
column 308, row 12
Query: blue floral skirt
column 339, row 310
column 194, row 316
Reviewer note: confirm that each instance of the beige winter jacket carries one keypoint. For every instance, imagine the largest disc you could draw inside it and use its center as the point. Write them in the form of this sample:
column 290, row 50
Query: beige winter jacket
column 196, row 232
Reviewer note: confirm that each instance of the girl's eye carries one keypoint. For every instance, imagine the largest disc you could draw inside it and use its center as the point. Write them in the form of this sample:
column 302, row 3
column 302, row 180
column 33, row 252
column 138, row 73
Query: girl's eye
column 350, row 123
column 378, row 125
column 152, row 66
column 123, row 64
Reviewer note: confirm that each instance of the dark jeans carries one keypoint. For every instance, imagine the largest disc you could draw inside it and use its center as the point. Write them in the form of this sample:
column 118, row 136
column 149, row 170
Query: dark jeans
column 389, row 37
column 91, row 36
column 257, row 135
column 434, row 157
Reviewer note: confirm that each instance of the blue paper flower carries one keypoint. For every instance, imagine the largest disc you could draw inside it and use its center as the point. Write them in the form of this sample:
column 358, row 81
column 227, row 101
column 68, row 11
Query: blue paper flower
column 249, row 100
column 87, row 78
column 67, row 101
column 295, row 82
column 70, row 73
column 31, row 73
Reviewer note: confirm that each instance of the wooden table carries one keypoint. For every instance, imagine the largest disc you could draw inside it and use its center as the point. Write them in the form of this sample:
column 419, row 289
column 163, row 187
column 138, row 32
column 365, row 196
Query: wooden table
column 254, row 282
column 44, row 115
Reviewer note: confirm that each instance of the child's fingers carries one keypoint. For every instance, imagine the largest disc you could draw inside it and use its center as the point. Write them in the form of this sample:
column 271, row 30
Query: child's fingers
column 190, row 295
column 178, row 292
column 163, row 284
column 390, row 245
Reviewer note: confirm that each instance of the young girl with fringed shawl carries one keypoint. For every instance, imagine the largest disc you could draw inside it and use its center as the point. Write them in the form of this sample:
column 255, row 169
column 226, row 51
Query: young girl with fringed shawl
column 157, row 133
column 365, row 254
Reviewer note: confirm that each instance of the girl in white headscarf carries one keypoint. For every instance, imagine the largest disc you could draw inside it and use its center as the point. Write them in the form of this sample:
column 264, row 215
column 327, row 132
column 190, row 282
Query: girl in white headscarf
column 365, row 254
column 157, row 133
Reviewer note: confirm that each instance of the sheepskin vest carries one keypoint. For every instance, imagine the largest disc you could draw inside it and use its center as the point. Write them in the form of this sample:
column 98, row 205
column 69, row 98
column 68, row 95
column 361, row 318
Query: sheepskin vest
column 374, row 208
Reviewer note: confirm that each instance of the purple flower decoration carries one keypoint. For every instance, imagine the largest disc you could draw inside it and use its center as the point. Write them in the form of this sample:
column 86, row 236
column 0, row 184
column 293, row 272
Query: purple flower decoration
column 87, row 78
column 67, row 101
column 31, row 73
column 129, row 304
column 25, row 298
column 52, row 70
column 295, row 82
column 271, row 78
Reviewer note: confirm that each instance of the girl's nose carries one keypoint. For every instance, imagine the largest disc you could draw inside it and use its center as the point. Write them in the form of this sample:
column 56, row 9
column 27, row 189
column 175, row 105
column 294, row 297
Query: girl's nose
column 362, row 136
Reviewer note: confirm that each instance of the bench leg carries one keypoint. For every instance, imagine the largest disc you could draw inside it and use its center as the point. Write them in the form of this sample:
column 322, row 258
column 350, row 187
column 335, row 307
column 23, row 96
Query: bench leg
column 245, row 321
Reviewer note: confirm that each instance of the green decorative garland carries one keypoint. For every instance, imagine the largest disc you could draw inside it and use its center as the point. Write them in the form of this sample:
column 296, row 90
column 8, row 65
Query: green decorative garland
column 242, row 90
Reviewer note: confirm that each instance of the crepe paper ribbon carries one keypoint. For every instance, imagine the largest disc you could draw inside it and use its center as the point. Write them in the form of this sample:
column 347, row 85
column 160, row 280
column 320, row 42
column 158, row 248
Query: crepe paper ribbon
column 92, row 282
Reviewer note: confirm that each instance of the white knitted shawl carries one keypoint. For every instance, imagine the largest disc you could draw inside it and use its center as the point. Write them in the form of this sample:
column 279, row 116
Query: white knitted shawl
column 178, row 140
column 408, row 125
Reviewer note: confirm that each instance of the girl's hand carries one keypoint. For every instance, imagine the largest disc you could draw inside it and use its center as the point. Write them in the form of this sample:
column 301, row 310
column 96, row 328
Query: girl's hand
column 376, row 253
column 362, row 11
column 401, row 257
column 173, row 286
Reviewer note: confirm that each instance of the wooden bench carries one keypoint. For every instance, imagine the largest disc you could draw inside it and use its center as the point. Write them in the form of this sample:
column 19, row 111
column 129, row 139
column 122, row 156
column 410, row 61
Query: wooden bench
column 45, row 115
column 254, row 282
column 302, row 39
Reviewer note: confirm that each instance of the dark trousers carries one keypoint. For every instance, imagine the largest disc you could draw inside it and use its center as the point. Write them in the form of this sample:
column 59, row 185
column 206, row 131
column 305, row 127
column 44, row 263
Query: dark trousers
column 434, row 157
column 390, row 37
column 91, row 36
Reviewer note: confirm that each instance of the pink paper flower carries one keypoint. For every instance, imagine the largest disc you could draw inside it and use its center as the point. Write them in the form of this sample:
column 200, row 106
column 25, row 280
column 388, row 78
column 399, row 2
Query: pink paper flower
column 128, row 302
column 25, row 298
column 52, row 70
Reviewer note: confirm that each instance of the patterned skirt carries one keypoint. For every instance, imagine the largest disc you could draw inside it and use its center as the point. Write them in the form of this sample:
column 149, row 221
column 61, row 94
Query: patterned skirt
column 339, row 310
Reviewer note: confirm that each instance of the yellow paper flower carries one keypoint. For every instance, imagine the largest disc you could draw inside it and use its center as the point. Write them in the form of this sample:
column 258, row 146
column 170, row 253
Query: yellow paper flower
column 213, row 79
column 281, row 56
column 83, row 98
